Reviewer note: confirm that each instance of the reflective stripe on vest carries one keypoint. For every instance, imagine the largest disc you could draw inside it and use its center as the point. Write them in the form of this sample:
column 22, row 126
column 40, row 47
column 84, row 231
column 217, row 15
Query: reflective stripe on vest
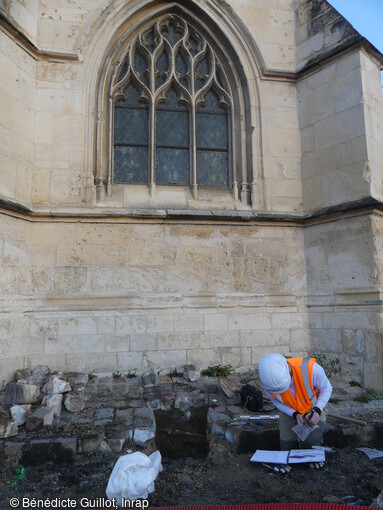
column 302, row 369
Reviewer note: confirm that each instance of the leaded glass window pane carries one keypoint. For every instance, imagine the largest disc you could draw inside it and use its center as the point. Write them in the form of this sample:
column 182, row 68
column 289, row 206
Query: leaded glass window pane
column 162, row 58
column 172, row 167
column 202, row 72
column 131, row 97
column 172, row 33
column 131, row 126
column 131, row 165
column 213, row 169
column 212, row 103
column 172, row 128
column 212, row 131
column 141, row 67
column 162, row 66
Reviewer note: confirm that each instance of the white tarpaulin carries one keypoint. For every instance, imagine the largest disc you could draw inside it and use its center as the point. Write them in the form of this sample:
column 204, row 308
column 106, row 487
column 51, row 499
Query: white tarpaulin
column 133, row 476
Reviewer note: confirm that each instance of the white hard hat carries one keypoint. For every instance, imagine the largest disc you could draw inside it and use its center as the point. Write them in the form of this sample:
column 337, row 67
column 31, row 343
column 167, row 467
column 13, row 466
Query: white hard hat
column 274, row 373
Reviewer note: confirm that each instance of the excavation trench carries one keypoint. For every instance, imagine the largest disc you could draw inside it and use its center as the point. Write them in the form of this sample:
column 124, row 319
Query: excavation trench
column 182, row 434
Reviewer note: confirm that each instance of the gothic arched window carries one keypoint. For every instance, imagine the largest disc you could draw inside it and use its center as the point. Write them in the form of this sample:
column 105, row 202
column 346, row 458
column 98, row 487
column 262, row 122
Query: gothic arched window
column 172, row 111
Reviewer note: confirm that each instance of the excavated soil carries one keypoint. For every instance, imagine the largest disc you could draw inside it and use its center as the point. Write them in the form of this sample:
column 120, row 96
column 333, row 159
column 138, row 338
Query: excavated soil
column 223, row 477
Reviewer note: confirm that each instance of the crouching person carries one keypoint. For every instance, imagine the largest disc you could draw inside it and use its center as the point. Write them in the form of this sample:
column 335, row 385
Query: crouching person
column 300, row 389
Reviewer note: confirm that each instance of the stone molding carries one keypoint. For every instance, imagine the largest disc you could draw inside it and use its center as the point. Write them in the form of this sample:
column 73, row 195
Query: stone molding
column 362, row 207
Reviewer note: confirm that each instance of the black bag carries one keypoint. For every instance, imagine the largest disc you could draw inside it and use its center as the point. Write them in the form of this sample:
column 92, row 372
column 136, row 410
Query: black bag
column 251, row 398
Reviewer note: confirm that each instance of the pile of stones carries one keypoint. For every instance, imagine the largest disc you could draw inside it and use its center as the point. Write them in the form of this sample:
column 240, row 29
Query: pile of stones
column 97, row 413
column 37, row 397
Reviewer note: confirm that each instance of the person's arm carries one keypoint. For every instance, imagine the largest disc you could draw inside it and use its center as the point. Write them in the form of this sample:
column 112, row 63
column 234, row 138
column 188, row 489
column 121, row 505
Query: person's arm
column 280, row 405
column 324, row 388
column 323, row 385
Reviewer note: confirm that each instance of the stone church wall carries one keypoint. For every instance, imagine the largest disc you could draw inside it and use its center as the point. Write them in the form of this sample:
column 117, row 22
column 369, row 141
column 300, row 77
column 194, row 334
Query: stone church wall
column 90, row 283
column 97, row 295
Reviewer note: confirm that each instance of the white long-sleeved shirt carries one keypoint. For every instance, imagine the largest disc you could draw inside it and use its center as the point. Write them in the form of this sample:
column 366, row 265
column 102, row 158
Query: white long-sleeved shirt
column 320, row 383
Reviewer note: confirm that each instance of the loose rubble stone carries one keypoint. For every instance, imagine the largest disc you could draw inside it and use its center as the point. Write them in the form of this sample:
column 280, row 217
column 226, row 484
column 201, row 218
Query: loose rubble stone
column 39, row 375
column 68, row 443
column 8, row 428
column 42, row 417
column 145, row 425
column 56, row 385
column 105, row 448
column 191, row 374
column 21, row 393
column 77, row 380
column 18, row 413
column 54, row 402
column 378, row 501
column 149, row 379
column 218, row 422
column 116, row 444
column 89, row 443
column 74, row 402
column 183, row 402
column 22, row 373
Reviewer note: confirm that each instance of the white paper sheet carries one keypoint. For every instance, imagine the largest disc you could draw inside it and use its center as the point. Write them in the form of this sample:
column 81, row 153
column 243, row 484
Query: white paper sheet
column 309, row 455
column 371, row 452
column 275, row 457
column 288, row 457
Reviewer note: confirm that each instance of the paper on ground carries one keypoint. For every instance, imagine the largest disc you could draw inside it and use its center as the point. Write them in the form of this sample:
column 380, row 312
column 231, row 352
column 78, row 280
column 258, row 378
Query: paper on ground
column 309, row 455
column 371, row 452
column 272, row 456
column 288, row 457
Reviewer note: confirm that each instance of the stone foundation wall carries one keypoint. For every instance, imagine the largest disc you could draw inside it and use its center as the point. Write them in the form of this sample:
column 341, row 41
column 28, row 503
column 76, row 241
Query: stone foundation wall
column 106, row 295
column 344, row 297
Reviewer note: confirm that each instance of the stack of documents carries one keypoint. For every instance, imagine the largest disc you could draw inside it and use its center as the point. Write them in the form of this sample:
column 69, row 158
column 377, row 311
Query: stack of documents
column 288, row 456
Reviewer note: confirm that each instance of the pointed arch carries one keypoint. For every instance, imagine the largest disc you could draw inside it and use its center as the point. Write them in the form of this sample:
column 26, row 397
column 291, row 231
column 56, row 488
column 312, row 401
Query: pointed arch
column 235, row 81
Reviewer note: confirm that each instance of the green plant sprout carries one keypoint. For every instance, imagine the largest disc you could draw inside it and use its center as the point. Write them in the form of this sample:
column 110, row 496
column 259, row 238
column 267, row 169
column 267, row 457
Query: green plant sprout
column 217, row 371
column 20, row 473
column 330, row 366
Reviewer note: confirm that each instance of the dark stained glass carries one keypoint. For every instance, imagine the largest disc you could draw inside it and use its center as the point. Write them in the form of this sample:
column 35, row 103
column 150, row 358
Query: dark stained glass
column 193, row 44
column 172, row 99
column 173, row 144
column 162, row 66
column 150, row 40
column 141, row 67
column 182, row 68
column 131, row 94
column 123, row 70
column 212, row 103
column 131, row 125
column 202, row 72
column 212, row 131
column 172, row 33
column 172, row 128
column 172, row 167
column 213, row 169
column 131, row 165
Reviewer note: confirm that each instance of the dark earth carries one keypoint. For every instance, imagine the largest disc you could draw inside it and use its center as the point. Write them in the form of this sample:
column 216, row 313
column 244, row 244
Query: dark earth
column 221, row 477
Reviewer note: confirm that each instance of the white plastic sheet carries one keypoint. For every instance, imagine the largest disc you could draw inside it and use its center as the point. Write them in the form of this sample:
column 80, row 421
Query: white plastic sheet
column 133, row 476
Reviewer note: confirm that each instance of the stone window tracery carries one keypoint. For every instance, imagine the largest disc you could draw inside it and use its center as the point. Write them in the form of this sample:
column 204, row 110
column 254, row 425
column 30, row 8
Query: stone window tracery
column 172, row 111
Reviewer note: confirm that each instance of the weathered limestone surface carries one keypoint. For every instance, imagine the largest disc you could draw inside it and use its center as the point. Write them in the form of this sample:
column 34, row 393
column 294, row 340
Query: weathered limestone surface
column 126, row 291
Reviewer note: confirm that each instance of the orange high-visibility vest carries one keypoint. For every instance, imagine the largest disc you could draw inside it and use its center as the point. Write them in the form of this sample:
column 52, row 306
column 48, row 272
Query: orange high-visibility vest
column 303, row 379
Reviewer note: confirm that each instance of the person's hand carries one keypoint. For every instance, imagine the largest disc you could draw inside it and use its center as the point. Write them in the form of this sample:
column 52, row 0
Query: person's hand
column 314, row 419
column 300, row 419
column 311, row 418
